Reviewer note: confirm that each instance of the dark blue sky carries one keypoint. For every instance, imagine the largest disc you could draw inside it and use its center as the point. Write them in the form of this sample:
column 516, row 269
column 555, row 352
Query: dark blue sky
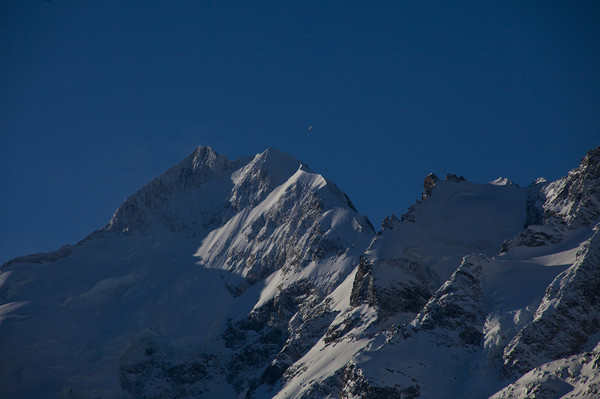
column 99, row 97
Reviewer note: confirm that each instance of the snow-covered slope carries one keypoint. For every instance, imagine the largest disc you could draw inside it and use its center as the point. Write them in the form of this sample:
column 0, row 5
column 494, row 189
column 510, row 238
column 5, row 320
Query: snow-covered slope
column 422, row 323
column 577, row 376
column 412, row 257
column 257, row 278
column 156, row 303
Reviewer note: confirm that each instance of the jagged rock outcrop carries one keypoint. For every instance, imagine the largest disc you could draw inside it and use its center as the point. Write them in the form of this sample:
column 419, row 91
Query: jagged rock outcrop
column 265, row 238
column 567, row 317
column 566, row 204
column 454, row 178
column 257, row 278
column 428, row 185
column 535, row 203
column 455, row 313
column 575, row 199
column 147, row 370
column 391, row 297
column 174, row 200
column 389, row 221
column 356, row 385
column 536, row 235
column 577, row 376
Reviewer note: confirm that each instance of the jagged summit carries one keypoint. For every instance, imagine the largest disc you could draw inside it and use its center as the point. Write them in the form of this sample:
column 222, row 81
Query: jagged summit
column 272, row 160
column 428, row 185
column 202, row 165
column 210, row 251
column 431, row 180
column 186, row 197
column 258, row 278
column 172, row 200
column 575, row 198
column 204, row 155
column 556, row 208
column 258, row 177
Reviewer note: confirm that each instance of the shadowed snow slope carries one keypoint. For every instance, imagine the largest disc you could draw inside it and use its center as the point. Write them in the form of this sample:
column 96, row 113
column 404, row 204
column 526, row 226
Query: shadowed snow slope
column 257, row 278
column 141, row 307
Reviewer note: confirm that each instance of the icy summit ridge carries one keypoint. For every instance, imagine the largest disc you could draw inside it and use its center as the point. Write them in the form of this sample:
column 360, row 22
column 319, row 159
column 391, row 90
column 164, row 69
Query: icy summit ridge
column 157, row 200
column 202, row 191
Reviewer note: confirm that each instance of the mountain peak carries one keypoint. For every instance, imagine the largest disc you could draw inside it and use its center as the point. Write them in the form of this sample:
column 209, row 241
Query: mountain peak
column 430, row 181
column 272, row 160
column 258, row 278
column 590, row 164
column 260, row 175
column 170, row 199
column 575, row 199
column 199, row 165
column 203, row 154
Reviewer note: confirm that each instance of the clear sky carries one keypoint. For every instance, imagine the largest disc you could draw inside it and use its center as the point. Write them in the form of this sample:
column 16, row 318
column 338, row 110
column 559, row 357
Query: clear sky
column 98, row 97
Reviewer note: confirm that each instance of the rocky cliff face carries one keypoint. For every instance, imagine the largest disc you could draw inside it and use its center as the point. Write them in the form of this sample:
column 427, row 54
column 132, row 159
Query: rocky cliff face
column 188, row 197
column 567, row 317
column 576, row 376
column 569, row 203
column 257, row 278
column 494, row 318
column 574, row 199
column 218, row 269
column 455, row 313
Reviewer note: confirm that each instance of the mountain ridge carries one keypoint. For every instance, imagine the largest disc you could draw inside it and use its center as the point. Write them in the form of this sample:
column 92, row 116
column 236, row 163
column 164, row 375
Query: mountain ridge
column 258, row 278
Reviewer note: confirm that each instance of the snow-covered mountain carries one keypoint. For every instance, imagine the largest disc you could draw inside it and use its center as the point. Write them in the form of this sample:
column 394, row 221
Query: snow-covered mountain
column 257, row 278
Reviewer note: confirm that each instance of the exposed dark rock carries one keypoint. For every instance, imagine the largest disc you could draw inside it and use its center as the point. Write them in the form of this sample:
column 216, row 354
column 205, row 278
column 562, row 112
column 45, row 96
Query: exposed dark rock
column 577, row 376
column 409, row 215
column 146, row 371
column 535, row 203
column 454, row 178
column 356, row 385
column 338, row 331
column 330, row 387
column 428, row 185
column 362, row 288
column 272, row 337
column 533, row 236
column 575, row 199
column 456, row 310
column 567, row 317
column 405, row 296
column 305, row 329
column 42, row 257
column 388, row 222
